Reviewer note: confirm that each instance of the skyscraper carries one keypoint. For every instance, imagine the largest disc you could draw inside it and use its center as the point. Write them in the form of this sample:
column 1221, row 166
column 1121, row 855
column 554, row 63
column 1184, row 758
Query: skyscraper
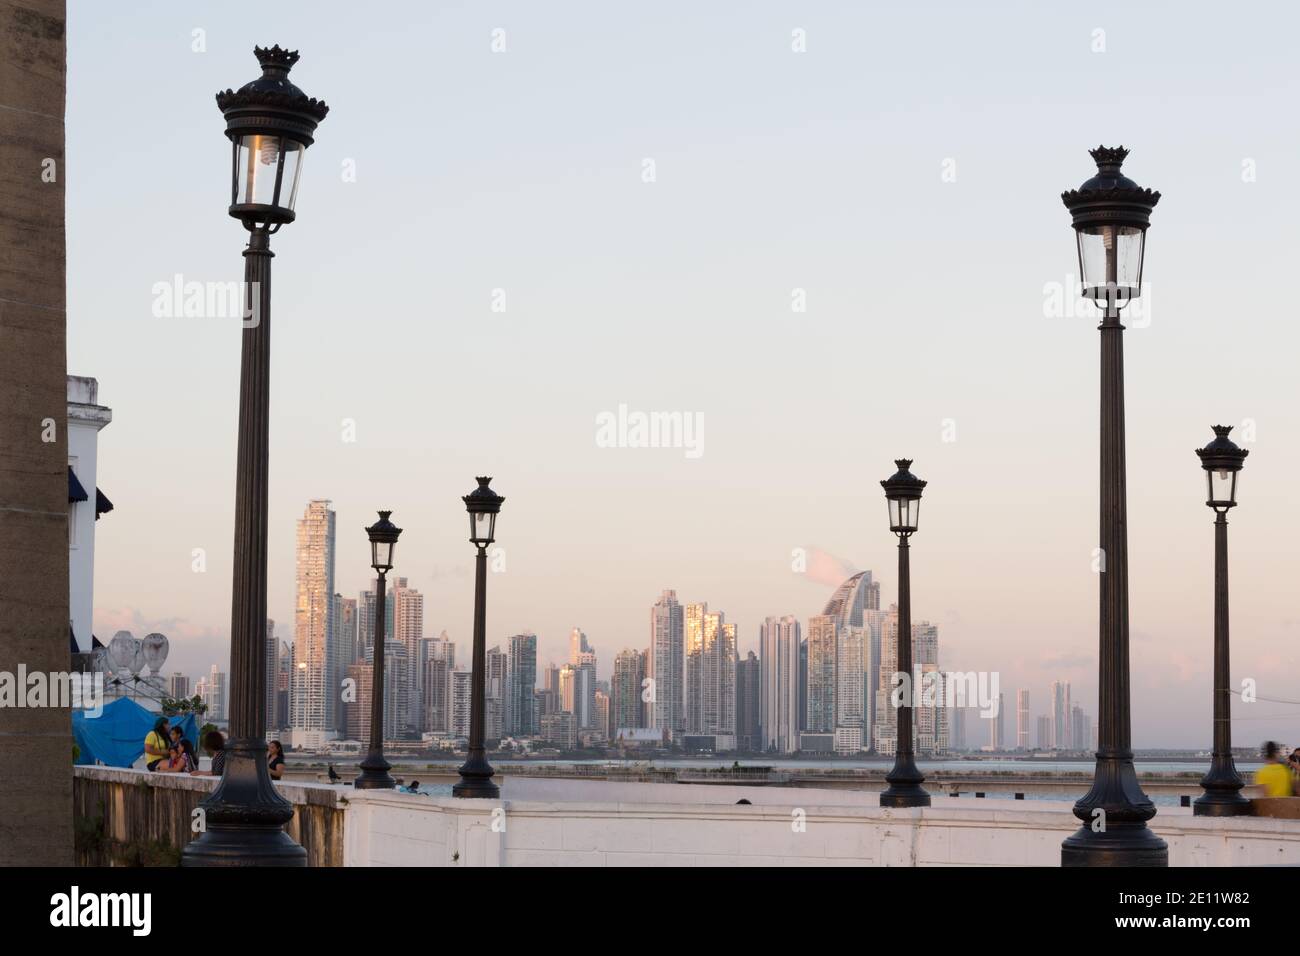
column 460, row 703
column 437, row 688
column 1022, row 719
column 216, row 699
column 666, row 660
column 1044, row 732
column 710, row 672
column 821, row 674
column 408, row 630
column 997, row 726
column 342, row 646
column 178, row 686
column 522, row 684
column 496, row 672
column 577, row 645
column 585, row 715
column 1062, row 738
column 313, row 695
column 1080, row 728
column 779, row 642
column 748, row 703
column 626, row 708
column 931, row 716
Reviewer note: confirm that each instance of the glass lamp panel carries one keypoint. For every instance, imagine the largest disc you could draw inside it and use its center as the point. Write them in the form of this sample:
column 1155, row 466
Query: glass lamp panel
column 480, row 527
column 1222, row 486
column 381, row 554
column 257, row 158
column 893, row 512
column 1110, row 254
column 909, row 512
column 293, row 157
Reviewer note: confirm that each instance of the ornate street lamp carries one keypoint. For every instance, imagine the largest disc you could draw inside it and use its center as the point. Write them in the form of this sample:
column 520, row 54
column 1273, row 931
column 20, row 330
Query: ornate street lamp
column 374, row 769
column 1111, row 214
column 483, row 505
column 903, row 492
column 1222, row 460
column 270, row 123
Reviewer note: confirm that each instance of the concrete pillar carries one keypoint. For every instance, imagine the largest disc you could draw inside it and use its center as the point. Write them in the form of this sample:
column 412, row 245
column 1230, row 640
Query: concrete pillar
column 35, row 744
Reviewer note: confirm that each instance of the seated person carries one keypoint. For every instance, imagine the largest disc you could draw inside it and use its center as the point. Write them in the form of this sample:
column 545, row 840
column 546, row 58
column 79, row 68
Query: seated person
column 1275, row 775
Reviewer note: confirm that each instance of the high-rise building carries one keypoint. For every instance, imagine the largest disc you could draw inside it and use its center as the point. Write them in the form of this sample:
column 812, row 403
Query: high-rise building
column 216, row 699
column 748, row 703
column 496, row 673
column 1081, row 728
column 520, row 709
column 314, row 695
column 957, row 729
column 779, row 642
column 397, row 690
column 1022, row 719
column 666, row 662
column 343, row 644
column 710, row 672
column 626, row 707
column 577, row 645
column 600, row 722
column 283, row 677
column 821, row 674
column 460, row 703
column 585, row 701
column 437, row 692
column 1044, row 732
column 803, row 684
column 178, row 686
column 997, row 726
column 408, row 630
column 1062, row 737
column 271, row 664
column 929, row 716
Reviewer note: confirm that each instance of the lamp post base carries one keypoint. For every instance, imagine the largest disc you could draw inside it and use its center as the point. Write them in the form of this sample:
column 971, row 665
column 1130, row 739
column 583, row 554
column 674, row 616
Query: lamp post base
column 904, row 788
column 476, row 781
column 1127, row 844
column 374, row 775
column 1221, row 802
column 243, row 846
column 243, row 819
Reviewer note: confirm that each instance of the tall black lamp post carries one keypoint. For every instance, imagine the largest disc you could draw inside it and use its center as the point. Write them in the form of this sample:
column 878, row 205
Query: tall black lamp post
column 1111, row 214
column 1222, row 460
column 483, row 505
column 270, row 123
column 903, row 492
column 374, row 769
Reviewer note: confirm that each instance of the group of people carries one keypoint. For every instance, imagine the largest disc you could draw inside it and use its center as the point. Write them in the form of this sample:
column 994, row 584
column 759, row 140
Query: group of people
column 1280, row 776
column 167, row 750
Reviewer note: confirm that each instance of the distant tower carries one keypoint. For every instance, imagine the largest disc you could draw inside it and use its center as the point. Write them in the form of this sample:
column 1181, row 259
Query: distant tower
column 666, row 663
column 779, row 640
column 1022, row 719
column 313, row 699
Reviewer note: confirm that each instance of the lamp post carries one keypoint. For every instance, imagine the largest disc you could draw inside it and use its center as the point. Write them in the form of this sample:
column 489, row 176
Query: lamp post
column 270, row 123
column 903, row 492
column 1111, row 214
column 1222, row 460
column 483, row 504
column 374, row 769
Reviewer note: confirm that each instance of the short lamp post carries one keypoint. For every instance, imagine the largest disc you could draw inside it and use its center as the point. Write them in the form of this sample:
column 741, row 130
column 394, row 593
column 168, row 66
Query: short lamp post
column 1111, row 214
column 903, row 492
column 374, row 775
column 483, row 505
column 1222, row 461
column 270, row 123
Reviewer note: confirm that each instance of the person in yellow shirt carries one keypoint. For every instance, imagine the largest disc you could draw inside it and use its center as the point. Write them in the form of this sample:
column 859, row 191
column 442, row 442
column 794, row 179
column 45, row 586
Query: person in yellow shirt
column 156, row 744
column 1275, row 775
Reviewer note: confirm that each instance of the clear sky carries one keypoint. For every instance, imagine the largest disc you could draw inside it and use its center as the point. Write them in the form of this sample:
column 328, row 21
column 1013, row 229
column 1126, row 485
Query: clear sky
column 904, row 172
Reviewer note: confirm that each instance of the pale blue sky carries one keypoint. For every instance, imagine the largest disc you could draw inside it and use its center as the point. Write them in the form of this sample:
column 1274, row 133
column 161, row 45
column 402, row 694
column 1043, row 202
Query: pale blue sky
column 775, row 170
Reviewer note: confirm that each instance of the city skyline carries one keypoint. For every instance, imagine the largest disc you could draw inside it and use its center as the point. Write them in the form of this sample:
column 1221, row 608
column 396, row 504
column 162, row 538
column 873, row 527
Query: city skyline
column 528, row 197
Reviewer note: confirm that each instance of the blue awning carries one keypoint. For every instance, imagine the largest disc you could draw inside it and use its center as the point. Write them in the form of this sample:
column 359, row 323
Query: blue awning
column 102, row 504
column 75, row 491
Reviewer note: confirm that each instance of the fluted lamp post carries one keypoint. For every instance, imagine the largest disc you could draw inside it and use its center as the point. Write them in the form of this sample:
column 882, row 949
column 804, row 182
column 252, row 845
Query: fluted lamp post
column 374, row 775
column 1111, row 214
column 483, row 505
column 270, row 124
column 903, row 492
column 1222, row 461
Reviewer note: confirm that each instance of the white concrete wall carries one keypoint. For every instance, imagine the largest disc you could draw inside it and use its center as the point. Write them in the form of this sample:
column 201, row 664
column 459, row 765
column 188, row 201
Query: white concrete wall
column 782, row 827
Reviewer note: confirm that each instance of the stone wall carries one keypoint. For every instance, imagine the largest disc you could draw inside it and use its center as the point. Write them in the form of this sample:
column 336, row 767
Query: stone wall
column 135, row 818
column 35, row 743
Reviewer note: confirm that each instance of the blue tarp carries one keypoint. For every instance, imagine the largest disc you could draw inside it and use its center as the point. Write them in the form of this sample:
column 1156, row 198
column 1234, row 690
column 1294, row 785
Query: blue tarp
column 116, row 736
